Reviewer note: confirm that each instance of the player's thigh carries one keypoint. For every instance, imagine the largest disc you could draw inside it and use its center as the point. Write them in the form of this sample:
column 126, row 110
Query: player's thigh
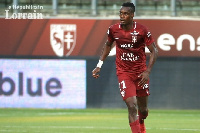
column 142, row 91
column 127, row 87
column 142, row 102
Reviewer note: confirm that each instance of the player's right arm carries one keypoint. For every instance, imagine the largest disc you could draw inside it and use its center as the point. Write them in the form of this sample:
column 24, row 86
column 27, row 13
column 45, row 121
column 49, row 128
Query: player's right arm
column 105, row 52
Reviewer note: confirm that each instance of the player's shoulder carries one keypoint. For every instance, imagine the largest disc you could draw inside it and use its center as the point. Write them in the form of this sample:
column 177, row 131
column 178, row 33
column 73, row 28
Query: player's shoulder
column 142, row 28
column 139, row 25
column 115, row 26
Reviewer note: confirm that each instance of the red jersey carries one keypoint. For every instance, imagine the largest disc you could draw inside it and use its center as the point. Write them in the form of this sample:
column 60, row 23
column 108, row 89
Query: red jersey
column 130, row 47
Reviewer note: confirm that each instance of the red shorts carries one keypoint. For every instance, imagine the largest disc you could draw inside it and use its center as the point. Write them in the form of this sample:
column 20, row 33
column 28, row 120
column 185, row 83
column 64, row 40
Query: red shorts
column 128, row 85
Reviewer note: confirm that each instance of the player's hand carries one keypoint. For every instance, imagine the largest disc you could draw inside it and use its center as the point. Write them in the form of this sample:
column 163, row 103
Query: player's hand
column 95, row 72
column 144, row 78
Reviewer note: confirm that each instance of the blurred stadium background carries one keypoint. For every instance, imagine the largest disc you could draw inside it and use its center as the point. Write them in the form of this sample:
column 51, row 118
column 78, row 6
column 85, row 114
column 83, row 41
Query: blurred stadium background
column 109, row 8
column 47, row 62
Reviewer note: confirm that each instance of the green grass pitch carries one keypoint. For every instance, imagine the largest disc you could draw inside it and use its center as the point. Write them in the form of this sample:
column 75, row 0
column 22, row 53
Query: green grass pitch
column 95, row 121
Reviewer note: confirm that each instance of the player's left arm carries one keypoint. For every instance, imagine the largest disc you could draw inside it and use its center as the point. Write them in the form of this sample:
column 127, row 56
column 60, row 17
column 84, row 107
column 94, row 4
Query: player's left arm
column 153, row 56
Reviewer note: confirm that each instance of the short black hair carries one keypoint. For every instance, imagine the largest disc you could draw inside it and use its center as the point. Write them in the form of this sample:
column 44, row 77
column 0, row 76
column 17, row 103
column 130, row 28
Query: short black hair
column 129, row 4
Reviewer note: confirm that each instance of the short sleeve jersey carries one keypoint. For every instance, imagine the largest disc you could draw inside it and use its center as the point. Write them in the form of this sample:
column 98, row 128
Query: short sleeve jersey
column 130, row 47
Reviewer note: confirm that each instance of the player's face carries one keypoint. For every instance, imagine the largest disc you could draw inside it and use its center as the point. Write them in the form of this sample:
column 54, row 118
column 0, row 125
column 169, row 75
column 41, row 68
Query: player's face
column 126, row 17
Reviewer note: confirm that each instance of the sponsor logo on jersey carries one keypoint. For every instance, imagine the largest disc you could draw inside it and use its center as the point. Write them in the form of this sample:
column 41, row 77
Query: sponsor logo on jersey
column 146, row 86
column 135, row 33
column 126, row 45
column 63, row 38
column 129, row 57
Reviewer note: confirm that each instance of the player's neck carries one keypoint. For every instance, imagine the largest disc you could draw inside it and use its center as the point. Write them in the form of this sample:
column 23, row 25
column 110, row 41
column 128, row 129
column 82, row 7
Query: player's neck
column 127, row 27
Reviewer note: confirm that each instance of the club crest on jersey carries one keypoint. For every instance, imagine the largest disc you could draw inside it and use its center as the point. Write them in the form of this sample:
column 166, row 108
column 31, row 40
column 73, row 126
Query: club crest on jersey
column 63, row 38
column 134, row 36
column 134, row 39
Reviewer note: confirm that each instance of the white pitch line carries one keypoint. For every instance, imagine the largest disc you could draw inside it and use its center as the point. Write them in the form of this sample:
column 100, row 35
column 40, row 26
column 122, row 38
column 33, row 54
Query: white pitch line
column 62, row 113
column 74, row 113
column 24, row 131
column 12, row 131
column 93, row 127
column 86, row 127
column 178, row 129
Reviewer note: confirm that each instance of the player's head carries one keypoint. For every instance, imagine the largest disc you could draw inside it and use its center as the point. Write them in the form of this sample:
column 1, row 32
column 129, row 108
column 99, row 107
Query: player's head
column 131, row 6
column 127, row 13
